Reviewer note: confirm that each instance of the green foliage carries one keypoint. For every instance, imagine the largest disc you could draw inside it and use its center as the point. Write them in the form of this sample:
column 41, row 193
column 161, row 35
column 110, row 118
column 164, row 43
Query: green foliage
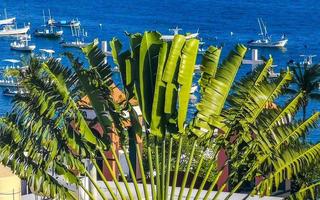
column 306, row 79
column 47, row 129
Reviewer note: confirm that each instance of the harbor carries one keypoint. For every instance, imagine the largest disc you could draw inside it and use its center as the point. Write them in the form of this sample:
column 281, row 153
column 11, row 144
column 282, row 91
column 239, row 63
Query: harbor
column 159, row 100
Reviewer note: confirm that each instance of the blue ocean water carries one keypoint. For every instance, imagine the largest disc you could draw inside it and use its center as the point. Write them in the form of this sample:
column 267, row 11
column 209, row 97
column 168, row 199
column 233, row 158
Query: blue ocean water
column 299, row 20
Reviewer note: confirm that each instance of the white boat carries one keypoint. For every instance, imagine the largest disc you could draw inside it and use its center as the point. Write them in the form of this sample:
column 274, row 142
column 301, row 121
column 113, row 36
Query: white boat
column 47, row 54
column 9, row 27
column 7, row 21
column 79, row 42
column 10, row 30
column 75, row 44
column 266, row 40
column 175, row 32
column 63, row 23
column 22, row 44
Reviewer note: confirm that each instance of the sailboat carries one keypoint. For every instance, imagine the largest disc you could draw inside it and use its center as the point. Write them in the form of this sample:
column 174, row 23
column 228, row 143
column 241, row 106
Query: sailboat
column 22, row 44
column 63, row 23
column 10, row 27
column 266, row 40
column 175, row 31
column 48, row 31
column 79, row 42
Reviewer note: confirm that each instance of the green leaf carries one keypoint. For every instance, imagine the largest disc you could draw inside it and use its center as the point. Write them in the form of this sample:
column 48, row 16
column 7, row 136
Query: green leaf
column 148, row 62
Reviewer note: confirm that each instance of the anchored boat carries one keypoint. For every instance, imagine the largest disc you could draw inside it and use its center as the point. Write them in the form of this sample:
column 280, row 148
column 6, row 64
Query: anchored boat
column 7, row 21
column 48, row 31
column 11, row 30
column 9, row 27
column 63, row 23
column 46, row 54
column 79, row 42
column 175, row 31
column 22, row 44
column 76, row 44
column 266, row 40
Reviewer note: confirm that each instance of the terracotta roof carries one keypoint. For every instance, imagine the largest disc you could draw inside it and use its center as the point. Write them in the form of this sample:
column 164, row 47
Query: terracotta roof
column 117, row 95
column 271, row 105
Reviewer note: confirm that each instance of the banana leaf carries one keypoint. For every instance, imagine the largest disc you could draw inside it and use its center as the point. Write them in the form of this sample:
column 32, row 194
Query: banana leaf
column 157, row 118
column 185, row 76
column 148, row 62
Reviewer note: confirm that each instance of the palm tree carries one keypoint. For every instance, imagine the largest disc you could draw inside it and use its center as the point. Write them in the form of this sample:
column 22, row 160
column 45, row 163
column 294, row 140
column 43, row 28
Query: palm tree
column 306, row 78
column 46, row 131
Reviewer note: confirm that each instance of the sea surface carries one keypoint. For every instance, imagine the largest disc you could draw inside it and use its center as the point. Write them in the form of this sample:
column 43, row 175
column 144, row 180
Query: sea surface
column 224, row 22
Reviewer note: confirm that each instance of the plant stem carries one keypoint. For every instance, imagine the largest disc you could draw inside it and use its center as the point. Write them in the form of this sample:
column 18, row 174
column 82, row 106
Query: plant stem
column 86, row 191
column 176, row 170
column 96, row 186
column 186, row 173
column 168, row 169
column 106, row 162
column 105, row 181
column 144, row 182
column 154, row 193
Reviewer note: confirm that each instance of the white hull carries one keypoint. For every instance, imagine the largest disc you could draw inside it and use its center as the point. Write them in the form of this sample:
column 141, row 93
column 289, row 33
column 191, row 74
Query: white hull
column 18, row 31
column 74, row 44
column 7, row 21
column 72, row 23
column 22, row 47
column 170, row 37
column 277, row 44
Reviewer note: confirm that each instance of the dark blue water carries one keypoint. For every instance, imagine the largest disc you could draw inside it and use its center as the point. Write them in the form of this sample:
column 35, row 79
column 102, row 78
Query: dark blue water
column 299, row 20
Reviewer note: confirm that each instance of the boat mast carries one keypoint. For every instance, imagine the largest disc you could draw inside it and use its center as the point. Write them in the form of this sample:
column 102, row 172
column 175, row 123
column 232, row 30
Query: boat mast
column 265, row 29
column 44, row 18
column 72, row 31
column 175, row 30
column 49, row 14
column 261, row 30
column 5, row 14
